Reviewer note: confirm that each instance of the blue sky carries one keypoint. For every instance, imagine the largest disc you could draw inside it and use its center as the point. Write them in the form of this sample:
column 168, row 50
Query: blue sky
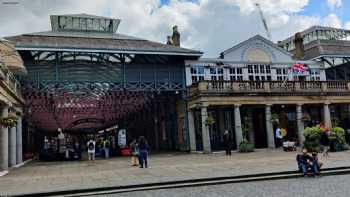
column 321, row 8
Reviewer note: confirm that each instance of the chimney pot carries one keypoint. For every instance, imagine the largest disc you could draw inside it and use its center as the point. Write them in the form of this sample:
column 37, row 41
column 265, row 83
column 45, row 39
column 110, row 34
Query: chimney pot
column 299, row 51
column 176, row 36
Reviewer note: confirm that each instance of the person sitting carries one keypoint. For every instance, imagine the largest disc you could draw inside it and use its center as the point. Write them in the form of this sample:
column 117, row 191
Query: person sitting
column 317, row 162
column 306, row 162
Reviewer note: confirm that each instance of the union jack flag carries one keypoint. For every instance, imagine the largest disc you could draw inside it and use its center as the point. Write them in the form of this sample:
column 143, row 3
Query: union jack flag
column 299, row 68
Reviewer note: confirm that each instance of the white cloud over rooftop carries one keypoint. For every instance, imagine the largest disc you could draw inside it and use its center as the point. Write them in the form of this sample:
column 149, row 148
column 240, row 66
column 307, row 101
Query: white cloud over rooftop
column 207, row 25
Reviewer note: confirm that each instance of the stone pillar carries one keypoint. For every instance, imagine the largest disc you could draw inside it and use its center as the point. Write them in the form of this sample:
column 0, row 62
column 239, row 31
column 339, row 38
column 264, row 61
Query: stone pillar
column 327, row 115
column 205, row 131
column 19, row 148
column 300, row 124
column 192, row 131
column 238, row 126
column 4, row 141
column 12, row 146
column 269, row 128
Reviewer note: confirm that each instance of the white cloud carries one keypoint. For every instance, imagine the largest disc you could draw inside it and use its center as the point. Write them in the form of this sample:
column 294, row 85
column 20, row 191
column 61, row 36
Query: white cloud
column 334, row 3
column 347, row 25
column 208, row 25
column 332, row 20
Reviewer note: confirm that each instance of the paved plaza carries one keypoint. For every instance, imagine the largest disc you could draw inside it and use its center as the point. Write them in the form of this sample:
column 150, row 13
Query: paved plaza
column 56, row 176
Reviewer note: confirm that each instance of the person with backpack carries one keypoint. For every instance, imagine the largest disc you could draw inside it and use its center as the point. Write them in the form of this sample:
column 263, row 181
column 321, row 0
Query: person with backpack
column 91, row 149
column 143, row 152
column 106, row 146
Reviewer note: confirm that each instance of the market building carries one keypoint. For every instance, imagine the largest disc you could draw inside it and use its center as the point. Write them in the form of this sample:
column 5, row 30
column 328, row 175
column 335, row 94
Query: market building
column 11, row 107
column 84, row 77
column 254, row 84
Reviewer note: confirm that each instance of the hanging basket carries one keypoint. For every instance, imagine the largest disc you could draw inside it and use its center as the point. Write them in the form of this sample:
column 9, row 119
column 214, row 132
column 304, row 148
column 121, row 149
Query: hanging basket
column 306, row 117
column 210, row 121
column 275, row 119
column 9, row 121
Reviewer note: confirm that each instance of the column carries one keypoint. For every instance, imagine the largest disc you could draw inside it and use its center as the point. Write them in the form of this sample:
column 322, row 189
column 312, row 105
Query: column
column 4, row 141
column 238, row 126
column 269, row 128
column 205, row 131
column 300, row 124
column 19, row 148
column 12, row 146
column 327, row 115
column 192, row 131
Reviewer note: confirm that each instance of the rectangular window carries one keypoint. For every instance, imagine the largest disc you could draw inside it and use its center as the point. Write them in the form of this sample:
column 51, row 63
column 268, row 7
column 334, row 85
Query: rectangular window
column 282, row 74
column 262, row 69
column 216, row 73
column 256, row 69
column 268, row 69
column 250, row 68
column 315, row 74
column 197, row 74
column 235, row 74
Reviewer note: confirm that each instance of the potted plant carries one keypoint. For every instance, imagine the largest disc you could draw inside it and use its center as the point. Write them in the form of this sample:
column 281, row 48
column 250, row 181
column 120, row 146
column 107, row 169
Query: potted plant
column 245, row 146
column 312, row 138
column 337, row 138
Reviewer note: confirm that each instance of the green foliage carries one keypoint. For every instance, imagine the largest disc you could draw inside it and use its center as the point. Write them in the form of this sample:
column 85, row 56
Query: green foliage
column 312, row 138
column 246, row 129
column 338, row 135
column 210, row 120
column 246, row 147
column 312, row 132
column 275, row 118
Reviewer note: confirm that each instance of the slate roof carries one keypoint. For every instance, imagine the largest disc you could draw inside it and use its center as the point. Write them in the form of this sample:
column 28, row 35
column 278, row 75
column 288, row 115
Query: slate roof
column 94, row 42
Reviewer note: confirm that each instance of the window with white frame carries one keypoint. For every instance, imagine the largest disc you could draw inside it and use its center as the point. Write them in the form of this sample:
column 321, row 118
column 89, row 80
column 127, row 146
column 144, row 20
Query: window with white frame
column 315, row 74
column 235, row 74
column 282, row 74
column 216, row 74
column 259, row 72
column 197, row 74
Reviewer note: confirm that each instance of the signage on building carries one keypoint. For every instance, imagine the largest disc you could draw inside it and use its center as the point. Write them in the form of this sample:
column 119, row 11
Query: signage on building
column 122, row 137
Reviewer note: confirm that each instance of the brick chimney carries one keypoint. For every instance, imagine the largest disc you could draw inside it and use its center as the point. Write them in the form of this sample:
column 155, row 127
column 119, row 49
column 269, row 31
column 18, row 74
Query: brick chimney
column 176, row 37
column 299, row 51
column 169, row 40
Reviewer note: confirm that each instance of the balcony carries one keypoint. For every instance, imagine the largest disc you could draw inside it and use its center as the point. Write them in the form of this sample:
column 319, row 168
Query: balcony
column 271, row 88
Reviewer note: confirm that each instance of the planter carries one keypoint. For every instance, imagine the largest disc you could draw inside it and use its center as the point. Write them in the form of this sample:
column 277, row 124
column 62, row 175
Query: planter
column 246, row 147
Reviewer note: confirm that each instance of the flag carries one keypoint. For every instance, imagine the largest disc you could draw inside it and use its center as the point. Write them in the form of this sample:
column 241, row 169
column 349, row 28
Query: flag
column 299, row 67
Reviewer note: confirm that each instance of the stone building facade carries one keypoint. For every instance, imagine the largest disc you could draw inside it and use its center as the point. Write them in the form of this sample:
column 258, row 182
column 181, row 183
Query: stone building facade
column 251, row 84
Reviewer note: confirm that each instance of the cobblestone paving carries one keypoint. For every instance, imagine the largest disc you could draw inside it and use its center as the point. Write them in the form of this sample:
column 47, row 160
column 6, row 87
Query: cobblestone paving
column 55, row 176
column 330, row 186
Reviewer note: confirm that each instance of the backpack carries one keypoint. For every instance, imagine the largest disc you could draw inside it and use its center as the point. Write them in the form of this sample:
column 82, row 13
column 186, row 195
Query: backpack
column 107, row 144
column 91, row 146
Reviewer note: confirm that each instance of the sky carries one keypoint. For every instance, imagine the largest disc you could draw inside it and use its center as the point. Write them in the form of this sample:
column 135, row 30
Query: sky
column 210, row 26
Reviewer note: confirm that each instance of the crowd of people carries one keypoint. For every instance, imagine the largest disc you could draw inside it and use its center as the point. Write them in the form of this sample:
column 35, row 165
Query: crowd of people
column 139, row 150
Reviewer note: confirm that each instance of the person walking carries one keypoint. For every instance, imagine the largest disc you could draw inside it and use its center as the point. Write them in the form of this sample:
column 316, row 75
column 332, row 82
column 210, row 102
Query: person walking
column 91, row 146
column 144, row 149
column 134, row 149
column 106, row 146
column 325, row 143
column 227, row 142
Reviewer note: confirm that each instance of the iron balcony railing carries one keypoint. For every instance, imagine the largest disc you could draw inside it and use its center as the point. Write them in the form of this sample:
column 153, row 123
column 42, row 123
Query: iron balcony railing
column 271, row 87
column 7, row 78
